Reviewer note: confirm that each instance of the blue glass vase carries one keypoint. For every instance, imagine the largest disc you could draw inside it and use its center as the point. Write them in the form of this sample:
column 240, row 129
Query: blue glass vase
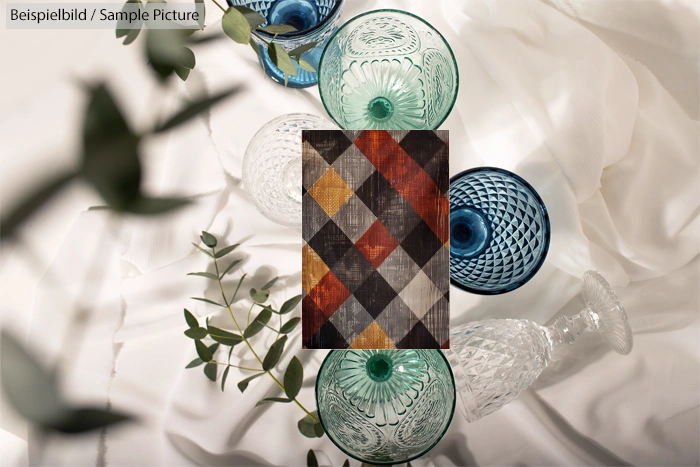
column 315, row 21
column 499, row 231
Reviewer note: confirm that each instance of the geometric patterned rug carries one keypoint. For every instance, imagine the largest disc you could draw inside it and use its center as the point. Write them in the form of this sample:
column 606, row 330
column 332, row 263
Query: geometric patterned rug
column 375, row 256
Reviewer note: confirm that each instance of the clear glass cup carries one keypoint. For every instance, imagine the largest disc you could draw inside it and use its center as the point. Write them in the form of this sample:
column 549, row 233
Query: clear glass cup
column 499, row 231
column 495, row 360
column 315, row 21
column 385, row 406
column 388, row 69
column 272, row 167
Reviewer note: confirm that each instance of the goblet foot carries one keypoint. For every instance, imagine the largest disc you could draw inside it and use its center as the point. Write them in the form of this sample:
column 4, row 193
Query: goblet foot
column 612, row 323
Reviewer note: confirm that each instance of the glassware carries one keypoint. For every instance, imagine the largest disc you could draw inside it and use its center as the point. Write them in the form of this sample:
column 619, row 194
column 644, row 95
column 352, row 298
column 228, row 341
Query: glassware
column 315, row 21
column 272, row 168
column 499, row 231
column 388, row 69
column 385, row 406
column 495, row 360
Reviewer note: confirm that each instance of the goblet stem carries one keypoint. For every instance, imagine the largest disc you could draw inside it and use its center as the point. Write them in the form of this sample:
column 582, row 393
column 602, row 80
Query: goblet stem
column 568, row 328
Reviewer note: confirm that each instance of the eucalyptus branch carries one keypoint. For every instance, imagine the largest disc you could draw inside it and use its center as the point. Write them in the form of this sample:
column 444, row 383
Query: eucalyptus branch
column 291, row 383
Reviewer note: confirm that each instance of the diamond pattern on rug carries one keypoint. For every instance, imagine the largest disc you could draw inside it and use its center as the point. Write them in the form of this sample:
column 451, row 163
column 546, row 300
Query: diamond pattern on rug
column 375, row 258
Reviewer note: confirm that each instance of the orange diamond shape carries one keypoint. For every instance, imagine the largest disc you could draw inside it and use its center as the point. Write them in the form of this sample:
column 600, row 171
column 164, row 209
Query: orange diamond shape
column 376, row 243
column 331, row 192
column 312, row 268
column 373, row 337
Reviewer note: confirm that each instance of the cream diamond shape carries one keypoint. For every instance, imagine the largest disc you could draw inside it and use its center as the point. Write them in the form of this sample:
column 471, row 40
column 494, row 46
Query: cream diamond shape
column 420, row 294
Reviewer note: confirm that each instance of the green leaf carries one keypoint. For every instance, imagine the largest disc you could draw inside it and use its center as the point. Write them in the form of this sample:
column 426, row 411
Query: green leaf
column 304, row 65
column 208, row 275
column 203, row 351
column 243, row 384
column 203, row 250
column 293, row 378
column 30, row 389
column 210, row 371
column 223, row 252
column 195, row 363
column 318, row 428
column 182, row 72
column 274, row 354
column 259, row 296
column 86, row 419
column 195, row 108
column 29, row 204
column 346, row 463
column 208, row 239
column 254, row 46
column 196, row 333
column 289, row 326
column 290, row 304
column 281, row 59
column 215, row 346
column 267, row 400
column 206, row 300
column 224, row 337
column 236, row 26
column 191, row 320
column 230, row 266
column 311, row 460
column 240, row 281
column 278, row 28
column 110, row 152
column 130, row 30
column 269, row 284
column 187, row 58
column 307, row 426
column 145, row 205
column 166, row 51
column 254, row 18
column 223, row 378
column 302, row 48
column 258, row 323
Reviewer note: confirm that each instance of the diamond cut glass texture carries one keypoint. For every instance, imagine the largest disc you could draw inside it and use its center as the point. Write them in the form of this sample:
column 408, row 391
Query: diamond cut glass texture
column 375, row 223
column 495, row 360
column 499, row 231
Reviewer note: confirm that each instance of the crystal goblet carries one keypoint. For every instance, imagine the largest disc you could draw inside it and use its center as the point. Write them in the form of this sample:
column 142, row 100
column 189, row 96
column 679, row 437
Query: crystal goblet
column 385, row 406
column 499, row 231
column 314, row 20
column 272, row 167
column 388, row 69
column 495, row 360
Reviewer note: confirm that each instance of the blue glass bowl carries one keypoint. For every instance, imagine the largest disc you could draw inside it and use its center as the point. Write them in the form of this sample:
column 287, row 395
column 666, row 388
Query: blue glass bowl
column 315, row 21
column 499, row 231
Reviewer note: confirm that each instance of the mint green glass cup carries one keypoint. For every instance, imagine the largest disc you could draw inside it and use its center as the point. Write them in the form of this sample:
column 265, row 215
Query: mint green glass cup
column 388, row 69
column 385, row 407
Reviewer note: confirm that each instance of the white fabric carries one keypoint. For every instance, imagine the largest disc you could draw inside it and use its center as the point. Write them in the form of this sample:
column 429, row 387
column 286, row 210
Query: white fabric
column 594, row 103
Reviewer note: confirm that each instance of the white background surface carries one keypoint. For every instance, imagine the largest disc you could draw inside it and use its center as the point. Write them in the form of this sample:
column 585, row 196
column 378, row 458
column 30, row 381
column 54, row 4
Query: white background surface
column 595, row 103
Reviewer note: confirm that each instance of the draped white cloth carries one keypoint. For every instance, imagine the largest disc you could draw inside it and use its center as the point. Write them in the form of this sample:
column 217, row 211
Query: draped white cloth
column 596, row 104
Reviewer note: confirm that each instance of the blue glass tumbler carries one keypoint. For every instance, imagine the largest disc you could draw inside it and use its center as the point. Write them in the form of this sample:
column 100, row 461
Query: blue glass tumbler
column 499, row 231
column 314, row 20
